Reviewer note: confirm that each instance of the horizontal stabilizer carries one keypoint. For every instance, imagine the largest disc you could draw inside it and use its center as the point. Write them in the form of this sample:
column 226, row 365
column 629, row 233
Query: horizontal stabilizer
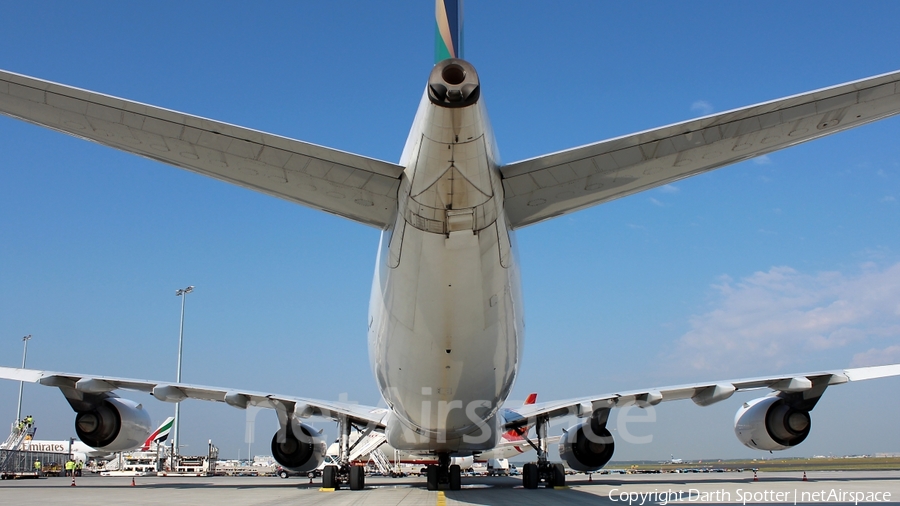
column 355, row 187
column 559, row 183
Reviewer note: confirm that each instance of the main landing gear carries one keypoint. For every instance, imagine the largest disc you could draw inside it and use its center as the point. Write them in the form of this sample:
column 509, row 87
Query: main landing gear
column 443, row 473
column 344, row 473
column 542, row 471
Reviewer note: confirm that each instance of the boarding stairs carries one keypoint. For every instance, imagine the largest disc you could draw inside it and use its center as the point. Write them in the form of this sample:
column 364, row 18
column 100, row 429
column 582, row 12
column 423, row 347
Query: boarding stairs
column 367, row 444
column 13, row 460
column 16, row 436
column 8, row 459
column 381, row 462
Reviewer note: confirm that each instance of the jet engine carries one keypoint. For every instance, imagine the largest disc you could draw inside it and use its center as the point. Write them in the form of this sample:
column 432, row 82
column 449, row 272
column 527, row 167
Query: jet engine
column 299, row 453
column 771, row 423
column 586, row 449
column 113, row 424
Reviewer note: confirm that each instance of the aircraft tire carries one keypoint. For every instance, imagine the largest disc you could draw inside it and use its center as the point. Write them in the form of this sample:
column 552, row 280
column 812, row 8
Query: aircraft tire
column 432, row 473
column 455, row 477
column 557, row 475
column 329, row 477
column 357, row 478
column 530, row 476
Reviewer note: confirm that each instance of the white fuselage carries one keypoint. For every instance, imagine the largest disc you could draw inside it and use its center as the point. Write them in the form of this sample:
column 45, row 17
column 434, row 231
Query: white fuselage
column 445, row 317
column 77, row 449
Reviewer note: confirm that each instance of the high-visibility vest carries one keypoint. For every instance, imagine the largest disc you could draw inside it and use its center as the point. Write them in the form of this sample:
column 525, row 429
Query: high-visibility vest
column 70, row 465
column 37, row 465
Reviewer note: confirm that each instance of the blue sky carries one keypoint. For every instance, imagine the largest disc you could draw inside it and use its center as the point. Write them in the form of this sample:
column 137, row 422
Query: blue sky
column 786, row 263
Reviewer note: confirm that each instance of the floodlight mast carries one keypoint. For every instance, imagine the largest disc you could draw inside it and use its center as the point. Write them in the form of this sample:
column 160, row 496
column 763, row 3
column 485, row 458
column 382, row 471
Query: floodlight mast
column 181, row 292
column 22, row 383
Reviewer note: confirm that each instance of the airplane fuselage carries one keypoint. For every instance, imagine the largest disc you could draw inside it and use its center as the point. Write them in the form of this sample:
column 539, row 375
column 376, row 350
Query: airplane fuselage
column 445, row 316
column 77, row 449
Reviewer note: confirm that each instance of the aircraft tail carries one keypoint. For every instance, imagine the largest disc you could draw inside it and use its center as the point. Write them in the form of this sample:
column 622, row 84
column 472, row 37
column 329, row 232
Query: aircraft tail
column 520, row 433
column 448, row 16
column 159, row 435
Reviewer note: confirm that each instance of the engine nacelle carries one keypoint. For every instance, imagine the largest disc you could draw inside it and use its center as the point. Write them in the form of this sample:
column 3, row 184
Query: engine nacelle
column 585, row 449
column 770, row 423
column 299, row 453
column 114, row 425
column 463, row 462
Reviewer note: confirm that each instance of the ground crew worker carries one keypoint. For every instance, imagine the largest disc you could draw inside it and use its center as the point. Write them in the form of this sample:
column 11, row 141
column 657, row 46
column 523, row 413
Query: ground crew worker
column 78, row 465
column 70, row 467
column 37, row 467
column 21, row 425
column 29, row 420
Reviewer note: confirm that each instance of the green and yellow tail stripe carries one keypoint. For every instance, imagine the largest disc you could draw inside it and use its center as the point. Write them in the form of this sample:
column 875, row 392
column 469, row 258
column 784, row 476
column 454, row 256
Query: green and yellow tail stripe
column 160, row 434
column 448, row 29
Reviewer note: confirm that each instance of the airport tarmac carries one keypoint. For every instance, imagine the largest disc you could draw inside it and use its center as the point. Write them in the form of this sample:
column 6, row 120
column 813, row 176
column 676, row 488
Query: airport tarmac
column 660, row 489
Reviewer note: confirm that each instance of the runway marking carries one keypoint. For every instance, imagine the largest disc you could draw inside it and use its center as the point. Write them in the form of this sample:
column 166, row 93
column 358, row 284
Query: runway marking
column 441, row 499
column 323, row 489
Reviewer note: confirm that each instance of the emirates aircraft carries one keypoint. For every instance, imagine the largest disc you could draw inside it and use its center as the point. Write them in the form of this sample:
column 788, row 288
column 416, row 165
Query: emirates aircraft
column 83, row 452
column 445, row 325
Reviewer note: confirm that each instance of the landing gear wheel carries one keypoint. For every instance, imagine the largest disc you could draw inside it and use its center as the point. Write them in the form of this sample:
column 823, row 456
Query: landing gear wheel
column 283, row 474
column 530, row 476
column 557, row 475
column 432, row 474
column 329, row 477
column 455, row 477
column 357, row 478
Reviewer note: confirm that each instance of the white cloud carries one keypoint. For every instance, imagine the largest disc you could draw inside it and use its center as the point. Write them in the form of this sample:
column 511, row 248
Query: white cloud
column 783, row 316
column 702, row 106
column 875, row 356
column 656, row 202
column 762, row 160
column 888, row 198
column 669, row 188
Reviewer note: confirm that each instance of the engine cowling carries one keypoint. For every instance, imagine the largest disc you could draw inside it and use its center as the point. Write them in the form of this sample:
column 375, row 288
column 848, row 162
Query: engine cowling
column 113, row 425
column 463, row 462
column 585, row 449
column 300, row 453
column 770, row 423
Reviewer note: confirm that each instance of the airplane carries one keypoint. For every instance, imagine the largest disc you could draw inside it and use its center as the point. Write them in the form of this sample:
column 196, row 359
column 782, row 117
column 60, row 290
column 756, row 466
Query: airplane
column 445, row 324
column 83, row 452
column 511, row 444
column 77, row 449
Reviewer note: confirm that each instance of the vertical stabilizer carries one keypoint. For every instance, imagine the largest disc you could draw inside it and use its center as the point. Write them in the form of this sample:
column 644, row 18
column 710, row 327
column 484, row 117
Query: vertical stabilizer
column 159, row 435
column 448, row 15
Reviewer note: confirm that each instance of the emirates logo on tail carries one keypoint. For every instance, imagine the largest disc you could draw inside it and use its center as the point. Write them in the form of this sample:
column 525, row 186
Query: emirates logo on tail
column 159, row 435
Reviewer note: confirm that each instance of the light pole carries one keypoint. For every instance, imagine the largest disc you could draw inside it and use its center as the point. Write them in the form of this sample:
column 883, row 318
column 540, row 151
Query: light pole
column 181, row 292
column 22, row 383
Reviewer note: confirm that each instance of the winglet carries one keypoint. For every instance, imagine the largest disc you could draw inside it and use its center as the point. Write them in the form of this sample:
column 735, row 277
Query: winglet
column 532, row 398
column 448, row 15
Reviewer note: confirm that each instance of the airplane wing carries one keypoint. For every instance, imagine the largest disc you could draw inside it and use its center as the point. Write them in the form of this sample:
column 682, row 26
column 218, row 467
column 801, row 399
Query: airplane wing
column 809, row 386
column 355, row 187
column 75, row 386
column 559, row 183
